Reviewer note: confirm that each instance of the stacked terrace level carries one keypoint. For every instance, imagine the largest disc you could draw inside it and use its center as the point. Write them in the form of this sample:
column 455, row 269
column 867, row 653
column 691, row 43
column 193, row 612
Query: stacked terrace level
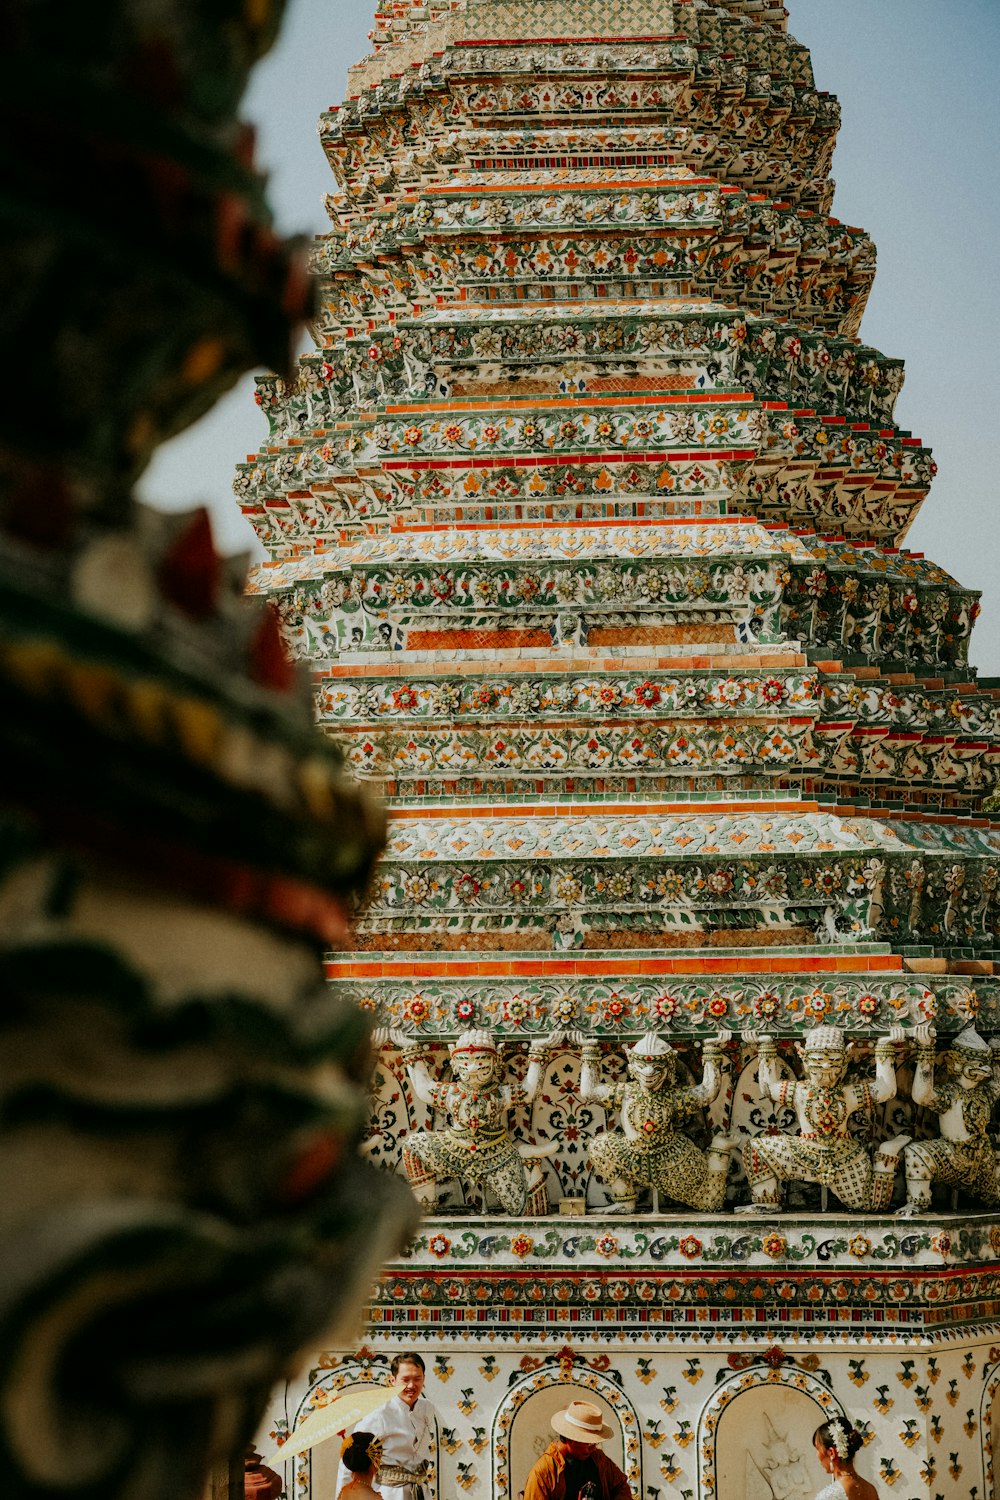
column 587, row 509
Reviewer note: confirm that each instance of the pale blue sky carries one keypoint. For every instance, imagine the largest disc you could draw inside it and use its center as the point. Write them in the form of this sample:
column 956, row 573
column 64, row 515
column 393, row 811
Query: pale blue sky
column 917, row 165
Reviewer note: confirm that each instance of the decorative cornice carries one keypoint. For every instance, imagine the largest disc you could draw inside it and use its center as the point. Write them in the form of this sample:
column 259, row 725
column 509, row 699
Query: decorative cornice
column 597, row 999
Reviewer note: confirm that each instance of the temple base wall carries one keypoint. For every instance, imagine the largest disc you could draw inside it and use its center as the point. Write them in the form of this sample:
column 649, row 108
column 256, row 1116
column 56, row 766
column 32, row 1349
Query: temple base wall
column 714, row 1352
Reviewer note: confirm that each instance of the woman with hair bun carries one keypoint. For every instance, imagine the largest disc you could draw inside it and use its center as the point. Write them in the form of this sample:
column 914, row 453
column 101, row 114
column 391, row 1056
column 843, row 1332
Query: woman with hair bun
column 836, row 1443
column 361, row 1453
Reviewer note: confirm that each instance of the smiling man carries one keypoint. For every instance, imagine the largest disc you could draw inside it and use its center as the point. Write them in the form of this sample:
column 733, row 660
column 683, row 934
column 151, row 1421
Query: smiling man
column 574, row 1467
column 406, row 1425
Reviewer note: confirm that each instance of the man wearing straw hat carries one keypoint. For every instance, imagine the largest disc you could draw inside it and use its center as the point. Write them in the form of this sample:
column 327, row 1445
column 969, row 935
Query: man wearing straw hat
column 574, row 1467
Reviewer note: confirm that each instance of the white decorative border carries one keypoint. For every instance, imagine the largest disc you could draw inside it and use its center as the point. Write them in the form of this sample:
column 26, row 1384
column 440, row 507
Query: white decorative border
column 661, row 1245
column 350, row 1373
column 990, row 1390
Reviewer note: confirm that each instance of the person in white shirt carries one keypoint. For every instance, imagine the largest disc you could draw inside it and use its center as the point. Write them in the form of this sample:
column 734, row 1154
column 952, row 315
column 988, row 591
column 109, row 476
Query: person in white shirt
column 406, row 1425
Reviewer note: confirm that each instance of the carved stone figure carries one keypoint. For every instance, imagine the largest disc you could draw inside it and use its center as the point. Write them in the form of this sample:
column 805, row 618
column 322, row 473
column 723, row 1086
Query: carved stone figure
column 915, row 878
column 476, row 1145
column 954, row 884
column 964, row 1155
column 649, row 1149
column 989, row 880
column 776, row 1470
column 824, row 1151
column 874, row 877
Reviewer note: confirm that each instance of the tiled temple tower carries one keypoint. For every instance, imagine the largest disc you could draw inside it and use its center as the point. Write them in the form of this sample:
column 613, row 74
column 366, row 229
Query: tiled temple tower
column 588, row 514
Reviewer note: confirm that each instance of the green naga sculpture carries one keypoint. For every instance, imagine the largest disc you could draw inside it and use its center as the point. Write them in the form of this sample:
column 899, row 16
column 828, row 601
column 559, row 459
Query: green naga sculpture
column 184, row 1207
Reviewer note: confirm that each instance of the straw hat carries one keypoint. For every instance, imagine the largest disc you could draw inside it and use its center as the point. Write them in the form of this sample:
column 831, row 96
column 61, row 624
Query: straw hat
column 582, row 1423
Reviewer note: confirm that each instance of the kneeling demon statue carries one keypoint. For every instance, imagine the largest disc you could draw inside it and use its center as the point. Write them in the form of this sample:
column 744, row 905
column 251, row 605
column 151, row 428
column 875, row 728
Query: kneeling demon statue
column 476, row 1145
column 964, row 1155
column 824, row 1151
column 650, row 1150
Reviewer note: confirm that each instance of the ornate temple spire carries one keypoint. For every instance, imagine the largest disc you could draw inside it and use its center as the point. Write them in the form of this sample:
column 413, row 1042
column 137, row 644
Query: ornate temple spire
column 587, row 512
column 408, row 32
column 556, row 19
column 591, row 502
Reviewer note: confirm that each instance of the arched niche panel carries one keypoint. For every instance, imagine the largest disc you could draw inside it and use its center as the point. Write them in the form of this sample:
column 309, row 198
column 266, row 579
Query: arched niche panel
column 521, row 1430
column 315, row 1472
column 989, row 1428
column 755, row 1435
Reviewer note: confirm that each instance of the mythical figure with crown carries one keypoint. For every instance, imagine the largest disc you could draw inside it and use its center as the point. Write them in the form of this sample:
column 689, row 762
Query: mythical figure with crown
column 824, row 1151
column 964, row 1156
column 476, row 1145
column 649, row 1149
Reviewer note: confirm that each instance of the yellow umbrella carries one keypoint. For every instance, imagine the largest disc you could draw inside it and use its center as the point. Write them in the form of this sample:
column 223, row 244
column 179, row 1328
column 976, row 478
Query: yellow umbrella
column 327, row 1421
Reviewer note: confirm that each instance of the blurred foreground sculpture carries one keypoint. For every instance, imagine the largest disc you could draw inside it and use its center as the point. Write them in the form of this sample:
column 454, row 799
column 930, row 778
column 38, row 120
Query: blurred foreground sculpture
column 183, row 1209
